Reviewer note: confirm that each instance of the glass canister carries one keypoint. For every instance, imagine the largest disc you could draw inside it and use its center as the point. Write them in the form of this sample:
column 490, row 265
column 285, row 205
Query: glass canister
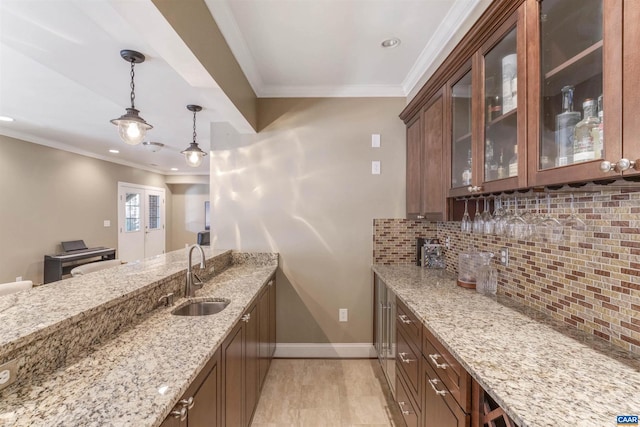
column 433, row 255
column 470, row 263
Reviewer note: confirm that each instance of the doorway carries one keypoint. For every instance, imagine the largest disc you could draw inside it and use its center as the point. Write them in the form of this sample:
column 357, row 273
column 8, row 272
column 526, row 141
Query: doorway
column 141, row 221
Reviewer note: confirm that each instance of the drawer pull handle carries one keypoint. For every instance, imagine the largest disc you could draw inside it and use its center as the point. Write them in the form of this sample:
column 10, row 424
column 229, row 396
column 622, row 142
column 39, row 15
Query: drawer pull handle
column 402, row 358
column 180, row 414
column 404, row 319
column 187, row 403
column 433, row 386
column 404, row 411
column 434, row 359
column 246, row 318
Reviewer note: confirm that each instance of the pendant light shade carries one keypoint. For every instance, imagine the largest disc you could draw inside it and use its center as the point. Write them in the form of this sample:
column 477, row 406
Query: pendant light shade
column 131, row 127
column 193, row 154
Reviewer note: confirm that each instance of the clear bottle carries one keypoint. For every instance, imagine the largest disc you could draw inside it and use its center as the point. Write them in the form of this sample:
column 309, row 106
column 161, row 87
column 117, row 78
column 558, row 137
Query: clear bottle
column 502, row 170
column 583, row 142
column 565, row 123
column 488, row 160
column 599, row 131
column 466, row 174
column 513, row 162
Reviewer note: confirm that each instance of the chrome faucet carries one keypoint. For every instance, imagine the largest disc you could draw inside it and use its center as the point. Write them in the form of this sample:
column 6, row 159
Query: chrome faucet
column 189, row 290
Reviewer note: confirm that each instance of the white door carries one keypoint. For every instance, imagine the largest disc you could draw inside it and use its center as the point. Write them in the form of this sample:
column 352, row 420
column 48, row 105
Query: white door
column 141, row 224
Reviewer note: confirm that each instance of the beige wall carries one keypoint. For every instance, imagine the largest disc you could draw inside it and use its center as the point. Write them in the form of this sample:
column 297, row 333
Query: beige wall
column 303, row 187
column 49, row 195
column 187, row 214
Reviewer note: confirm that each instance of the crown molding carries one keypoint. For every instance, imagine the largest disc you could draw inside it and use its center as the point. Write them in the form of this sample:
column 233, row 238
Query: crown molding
column 347, row 91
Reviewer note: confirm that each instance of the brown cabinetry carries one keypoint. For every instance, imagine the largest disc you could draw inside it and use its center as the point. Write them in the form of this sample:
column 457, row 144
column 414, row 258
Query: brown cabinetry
column 440, row 407
column 408, row 364
column 200, row 405
column 518, row 93
column 426, row 198
column 266, row 326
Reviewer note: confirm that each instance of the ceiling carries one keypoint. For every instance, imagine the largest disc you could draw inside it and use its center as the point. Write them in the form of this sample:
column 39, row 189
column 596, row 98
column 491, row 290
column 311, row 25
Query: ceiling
column 62, row 78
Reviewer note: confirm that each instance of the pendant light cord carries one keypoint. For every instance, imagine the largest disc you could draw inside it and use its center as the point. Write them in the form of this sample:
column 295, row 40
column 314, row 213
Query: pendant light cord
column 133, row 85
column 194, row 127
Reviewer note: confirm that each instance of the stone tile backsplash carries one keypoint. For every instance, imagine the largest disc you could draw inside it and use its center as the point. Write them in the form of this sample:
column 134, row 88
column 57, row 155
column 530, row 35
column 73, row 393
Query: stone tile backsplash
column 589, row 280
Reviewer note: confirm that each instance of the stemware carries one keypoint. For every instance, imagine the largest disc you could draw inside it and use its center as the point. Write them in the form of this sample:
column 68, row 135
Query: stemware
column 517, row 227
column 535, row 220
column 465, row 225
column 573, row 221
column 487, row 218
column 501, row 226
column 497, row 215
column 549, row 229
column 478, row 223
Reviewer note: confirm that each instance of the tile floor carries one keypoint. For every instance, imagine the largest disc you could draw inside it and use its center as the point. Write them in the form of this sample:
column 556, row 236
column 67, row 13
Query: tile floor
column 325, row 392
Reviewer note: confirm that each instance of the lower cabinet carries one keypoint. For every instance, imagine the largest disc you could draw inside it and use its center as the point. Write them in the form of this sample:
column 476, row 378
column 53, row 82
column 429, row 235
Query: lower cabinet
column 200, row 405
column 226, row 391
column 486, row 412
column 439, row 406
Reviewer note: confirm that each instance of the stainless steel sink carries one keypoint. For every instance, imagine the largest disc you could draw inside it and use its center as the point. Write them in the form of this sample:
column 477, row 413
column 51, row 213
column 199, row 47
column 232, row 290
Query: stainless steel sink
column 201, row 308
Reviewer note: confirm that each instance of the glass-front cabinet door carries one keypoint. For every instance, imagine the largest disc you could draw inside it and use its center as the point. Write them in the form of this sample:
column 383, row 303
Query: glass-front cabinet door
column 570, row 109
column 502, row 62
column 461, row 96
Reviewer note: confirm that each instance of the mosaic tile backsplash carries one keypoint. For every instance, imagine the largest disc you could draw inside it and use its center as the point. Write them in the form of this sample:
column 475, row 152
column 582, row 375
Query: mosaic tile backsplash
column 590, row 279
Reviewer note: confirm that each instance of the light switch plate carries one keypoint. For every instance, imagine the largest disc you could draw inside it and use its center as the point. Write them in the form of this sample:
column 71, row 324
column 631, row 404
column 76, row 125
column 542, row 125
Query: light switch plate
column 375, row 167
column 8, row 373
column 107, row 223
column 375, row 140
column 343, row 315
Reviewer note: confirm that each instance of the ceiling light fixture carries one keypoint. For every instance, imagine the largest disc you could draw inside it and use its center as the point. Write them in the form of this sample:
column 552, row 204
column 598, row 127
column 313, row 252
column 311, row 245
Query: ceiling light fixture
column 154, row 147
column 114, row 151
column 174, row 169
column 131, row 127
column 6, row 119
column 389, row 43
column 193, row 153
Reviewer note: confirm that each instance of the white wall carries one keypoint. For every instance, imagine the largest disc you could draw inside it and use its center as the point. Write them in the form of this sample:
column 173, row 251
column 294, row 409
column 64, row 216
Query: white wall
column 303, row 187
column 187, row 213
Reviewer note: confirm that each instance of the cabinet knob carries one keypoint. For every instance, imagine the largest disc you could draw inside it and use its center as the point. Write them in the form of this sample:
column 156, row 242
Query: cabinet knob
column 474, row 189
column 187, row 403
column 420, row 217
column 620, row 166
column 246, row 318
column 179, row 413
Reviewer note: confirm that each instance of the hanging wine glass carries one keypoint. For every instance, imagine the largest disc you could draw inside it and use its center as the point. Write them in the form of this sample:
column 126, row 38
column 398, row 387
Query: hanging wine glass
column 516, row 226
column 497, row 215
column 550, row 229
column 573, row 221
column 478, row 223
column 465, row 225
column 487, row 218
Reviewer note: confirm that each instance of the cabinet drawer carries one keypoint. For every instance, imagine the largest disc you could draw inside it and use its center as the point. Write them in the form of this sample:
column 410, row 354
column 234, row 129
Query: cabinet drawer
column 440, row 407
column 409, row 411
column 408, row 323
column 408, row 361
column 454, row 376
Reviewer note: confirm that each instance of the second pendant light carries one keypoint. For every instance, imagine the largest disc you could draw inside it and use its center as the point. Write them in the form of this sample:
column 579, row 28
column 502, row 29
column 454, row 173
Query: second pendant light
column 193, row 154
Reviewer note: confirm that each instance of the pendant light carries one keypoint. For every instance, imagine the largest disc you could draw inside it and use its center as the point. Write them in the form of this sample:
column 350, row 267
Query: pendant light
column 131, row 127
column 193, row 154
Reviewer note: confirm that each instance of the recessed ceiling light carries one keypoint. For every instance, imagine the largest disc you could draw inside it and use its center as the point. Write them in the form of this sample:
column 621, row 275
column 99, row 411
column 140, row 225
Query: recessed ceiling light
column 154, row 147
column 114, row 151
column 6, row 119
column 174, row 169
column 392, row 42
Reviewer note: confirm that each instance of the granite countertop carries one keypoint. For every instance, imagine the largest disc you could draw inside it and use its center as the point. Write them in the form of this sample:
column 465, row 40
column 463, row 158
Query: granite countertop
column 540, row 371
column 135, row 378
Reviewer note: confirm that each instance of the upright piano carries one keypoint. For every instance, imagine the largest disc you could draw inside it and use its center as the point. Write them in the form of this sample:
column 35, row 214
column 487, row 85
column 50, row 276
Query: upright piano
column 75, row 253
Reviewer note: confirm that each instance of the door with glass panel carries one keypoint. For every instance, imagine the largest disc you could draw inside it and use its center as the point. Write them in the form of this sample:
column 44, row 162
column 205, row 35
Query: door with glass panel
column 141, row 223
column 463, row 170
column 575, row 88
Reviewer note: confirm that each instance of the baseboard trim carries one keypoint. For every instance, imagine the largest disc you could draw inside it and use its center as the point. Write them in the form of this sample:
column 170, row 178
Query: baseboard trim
column 325, row 351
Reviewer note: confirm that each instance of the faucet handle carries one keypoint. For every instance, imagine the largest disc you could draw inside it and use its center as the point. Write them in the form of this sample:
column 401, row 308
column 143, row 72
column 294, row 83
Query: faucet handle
column 166, row 300
column 198, row 281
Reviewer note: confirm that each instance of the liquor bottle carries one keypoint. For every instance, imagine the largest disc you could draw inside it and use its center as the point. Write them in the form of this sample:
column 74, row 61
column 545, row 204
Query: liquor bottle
column 583, row 143
column 565, row 123
column 466, row 174
column 494, row 108
column 488, row 159
column 513, row 162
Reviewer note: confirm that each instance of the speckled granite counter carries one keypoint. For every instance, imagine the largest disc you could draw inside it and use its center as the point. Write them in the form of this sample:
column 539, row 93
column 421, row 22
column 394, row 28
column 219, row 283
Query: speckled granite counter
column 541, row 372
column 135, row 378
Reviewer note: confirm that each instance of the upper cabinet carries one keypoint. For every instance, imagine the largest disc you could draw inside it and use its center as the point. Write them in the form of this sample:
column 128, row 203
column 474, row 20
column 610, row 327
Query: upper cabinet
column 575, row 88
column 460, row 138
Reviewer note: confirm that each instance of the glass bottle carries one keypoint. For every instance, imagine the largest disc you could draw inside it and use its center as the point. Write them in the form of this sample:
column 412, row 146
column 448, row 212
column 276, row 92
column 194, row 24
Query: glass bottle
column 488, row 160
column 565, row 123
column 583, row 143
column 599, row 146
column 502, row 170
column 513, row 162
column 466, row 174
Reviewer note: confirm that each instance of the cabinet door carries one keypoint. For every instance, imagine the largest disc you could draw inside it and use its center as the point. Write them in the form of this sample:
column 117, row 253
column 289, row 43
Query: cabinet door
column 439, row 408
column 233, row 377
column 433, row 182
column 631, row 83
column 263, row 334
column 461, row 133
column 502, row 64
column 414, row 168
column 206, row 401
column 251, row 369
column 575, row 72
column 272, row 318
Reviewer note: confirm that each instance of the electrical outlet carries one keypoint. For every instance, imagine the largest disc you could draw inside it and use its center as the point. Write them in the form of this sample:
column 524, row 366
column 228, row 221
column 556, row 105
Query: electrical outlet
column 504, row 256
column 343, row 315
column 19, row 279
column 375, row 167
column 375, row 140
column 8, row 373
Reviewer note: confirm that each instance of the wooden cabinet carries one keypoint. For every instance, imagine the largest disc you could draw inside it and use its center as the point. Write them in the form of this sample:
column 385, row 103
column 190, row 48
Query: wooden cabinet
column 486, row 412
column 266, row 326
column 440, row 409
column 200, row 405
column 515, row 90
column 426, row 197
